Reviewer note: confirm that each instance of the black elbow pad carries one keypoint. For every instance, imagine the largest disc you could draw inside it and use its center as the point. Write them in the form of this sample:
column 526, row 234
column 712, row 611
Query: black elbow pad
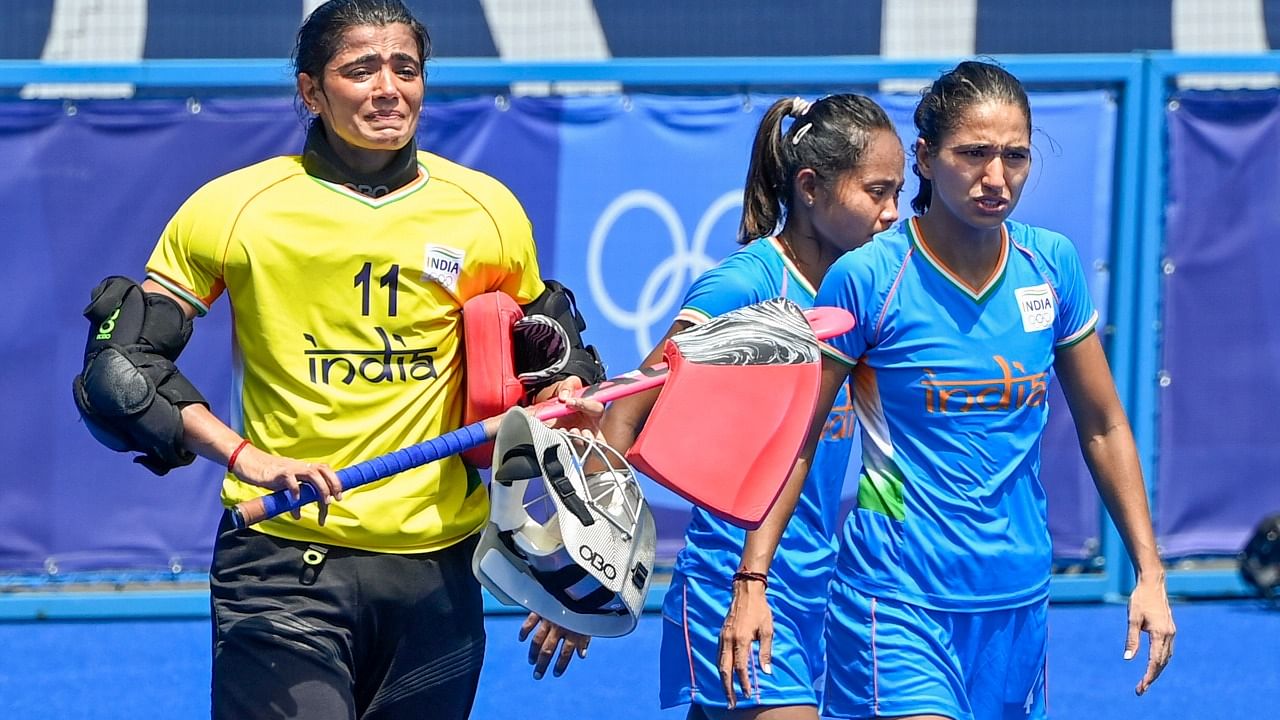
column 130, row 394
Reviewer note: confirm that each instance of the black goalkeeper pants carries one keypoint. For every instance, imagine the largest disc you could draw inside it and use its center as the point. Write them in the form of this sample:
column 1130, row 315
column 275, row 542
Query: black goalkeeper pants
column 330, row 633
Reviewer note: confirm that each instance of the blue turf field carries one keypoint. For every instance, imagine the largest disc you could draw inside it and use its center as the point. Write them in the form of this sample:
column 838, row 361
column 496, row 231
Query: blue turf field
column 1226, row 665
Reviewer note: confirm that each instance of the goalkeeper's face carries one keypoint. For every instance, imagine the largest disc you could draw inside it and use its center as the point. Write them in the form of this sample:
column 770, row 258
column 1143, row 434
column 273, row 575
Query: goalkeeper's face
column 370, row 93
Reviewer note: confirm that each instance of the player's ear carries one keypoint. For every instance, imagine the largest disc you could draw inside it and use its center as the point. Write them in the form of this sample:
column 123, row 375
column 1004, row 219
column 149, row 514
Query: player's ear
column 923, row 159
column 309, row 91
column 806, row 187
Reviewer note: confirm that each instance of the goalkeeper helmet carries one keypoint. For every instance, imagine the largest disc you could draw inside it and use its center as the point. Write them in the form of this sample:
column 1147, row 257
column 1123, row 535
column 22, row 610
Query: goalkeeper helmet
column 588, row 565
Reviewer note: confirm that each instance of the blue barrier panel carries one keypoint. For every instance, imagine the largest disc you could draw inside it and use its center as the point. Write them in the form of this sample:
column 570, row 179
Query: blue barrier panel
column 631, row 196
column 1219, row 423
column 1161, row 72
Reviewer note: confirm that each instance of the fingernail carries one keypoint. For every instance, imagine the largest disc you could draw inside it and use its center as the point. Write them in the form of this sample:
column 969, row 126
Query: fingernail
column 1128, row 654
column 766, row 668
column 537, row 674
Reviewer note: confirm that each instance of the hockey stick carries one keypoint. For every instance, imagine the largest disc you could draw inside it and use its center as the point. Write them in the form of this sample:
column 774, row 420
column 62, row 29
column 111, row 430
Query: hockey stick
column 825, row 322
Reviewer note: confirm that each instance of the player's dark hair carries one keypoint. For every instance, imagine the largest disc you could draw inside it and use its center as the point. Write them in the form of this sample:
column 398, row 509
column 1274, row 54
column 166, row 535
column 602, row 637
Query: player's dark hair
column 943, row 106
column 320, row 36
column 830, row 137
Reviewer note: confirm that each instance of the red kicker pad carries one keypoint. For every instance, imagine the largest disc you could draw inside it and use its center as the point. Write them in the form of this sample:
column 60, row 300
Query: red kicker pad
column 491, row 384
column 724, row 436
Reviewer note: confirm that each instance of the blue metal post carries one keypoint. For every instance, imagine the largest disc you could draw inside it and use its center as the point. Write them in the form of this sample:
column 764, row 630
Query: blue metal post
column 1125, row 243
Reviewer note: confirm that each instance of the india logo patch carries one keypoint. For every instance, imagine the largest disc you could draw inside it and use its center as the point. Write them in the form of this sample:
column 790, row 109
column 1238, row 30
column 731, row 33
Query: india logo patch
column 1036, row 305
column 442, row 265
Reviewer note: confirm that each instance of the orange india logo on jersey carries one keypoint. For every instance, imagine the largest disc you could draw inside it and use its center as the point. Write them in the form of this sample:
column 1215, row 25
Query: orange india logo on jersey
column 841, row 421
column 1002, row 394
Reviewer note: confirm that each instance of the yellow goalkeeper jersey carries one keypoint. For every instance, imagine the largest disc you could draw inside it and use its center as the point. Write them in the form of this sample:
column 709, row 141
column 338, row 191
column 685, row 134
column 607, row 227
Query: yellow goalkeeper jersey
column 347, row 341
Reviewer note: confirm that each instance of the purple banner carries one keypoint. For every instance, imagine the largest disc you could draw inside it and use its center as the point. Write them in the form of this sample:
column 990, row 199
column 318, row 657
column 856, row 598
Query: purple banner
column 90, row 186
column 88, row 190
column 1219, row 423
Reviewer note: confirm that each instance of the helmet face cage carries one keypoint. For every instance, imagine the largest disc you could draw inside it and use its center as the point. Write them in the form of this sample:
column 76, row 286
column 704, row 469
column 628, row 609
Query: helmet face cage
column 612, row 493
column 587, row 565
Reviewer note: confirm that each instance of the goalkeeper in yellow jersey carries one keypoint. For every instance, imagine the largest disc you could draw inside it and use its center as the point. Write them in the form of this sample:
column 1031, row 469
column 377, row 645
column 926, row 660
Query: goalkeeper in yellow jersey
column 346, row 268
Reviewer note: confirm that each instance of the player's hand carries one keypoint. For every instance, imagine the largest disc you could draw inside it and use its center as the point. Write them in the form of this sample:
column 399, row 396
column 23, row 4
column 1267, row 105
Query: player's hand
column 750, row 620
column 274, row 472
column 543, row 645
column 586, row 413
column 1149, row 612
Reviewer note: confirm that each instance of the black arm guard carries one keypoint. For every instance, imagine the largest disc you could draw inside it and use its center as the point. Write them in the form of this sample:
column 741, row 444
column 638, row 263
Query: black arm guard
column 130, row 394
column 557, row 303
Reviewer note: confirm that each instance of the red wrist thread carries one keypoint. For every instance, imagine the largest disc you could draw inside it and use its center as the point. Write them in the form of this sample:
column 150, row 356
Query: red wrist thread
column 231, row 461
column 747, row 575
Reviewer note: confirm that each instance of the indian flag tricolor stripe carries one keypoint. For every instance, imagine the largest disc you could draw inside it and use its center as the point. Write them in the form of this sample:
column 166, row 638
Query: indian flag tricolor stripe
column 836, row 355
column 200, row 304
column 977, row 294
column 393, row 196
column 1080, row 334
column 692, row 316
column 792, row 270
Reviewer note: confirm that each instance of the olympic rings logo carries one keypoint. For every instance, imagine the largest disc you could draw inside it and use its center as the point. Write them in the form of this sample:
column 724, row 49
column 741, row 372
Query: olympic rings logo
column 665, row 285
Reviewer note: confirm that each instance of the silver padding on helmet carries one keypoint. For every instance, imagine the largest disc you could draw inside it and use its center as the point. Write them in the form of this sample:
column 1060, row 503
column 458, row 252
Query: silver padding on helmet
column 588, row 565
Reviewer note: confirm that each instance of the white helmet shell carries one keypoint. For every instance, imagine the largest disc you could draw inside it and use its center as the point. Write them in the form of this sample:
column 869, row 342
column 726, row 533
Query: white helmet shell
column 588, row 566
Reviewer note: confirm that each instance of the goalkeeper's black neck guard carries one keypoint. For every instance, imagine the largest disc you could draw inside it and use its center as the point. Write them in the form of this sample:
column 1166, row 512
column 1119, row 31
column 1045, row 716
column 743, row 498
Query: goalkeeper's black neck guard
column 320, row 160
